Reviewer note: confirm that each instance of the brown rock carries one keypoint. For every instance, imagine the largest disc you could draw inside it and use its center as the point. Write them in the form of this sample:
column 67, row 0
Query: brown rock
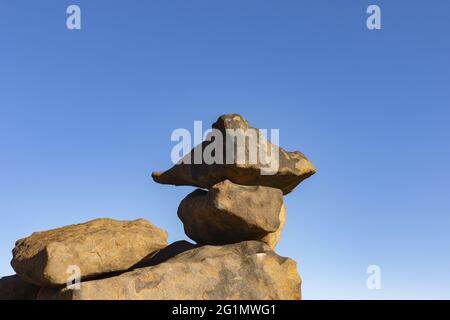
column 243, row 271
column 14, row 288
column 273, row 238
column 293, row 167
column 230, row 213
column 96, row 247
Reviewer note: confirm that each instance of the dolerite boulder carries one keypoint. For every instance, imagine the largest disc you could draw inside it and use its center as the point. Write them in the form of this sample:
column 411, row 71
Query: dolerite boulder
column 230, row 213
column 273, row 238
column 96, row 247
column 14, row 288
column 292, row 167
column 247, row 270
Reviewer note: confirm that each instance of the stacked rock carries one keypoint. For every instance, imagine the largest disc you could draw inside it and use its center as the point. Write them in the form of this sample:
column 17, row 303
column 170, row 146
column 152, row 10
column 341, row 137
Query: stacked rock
column 236, row 223
column 242, row 203
column 230, row 213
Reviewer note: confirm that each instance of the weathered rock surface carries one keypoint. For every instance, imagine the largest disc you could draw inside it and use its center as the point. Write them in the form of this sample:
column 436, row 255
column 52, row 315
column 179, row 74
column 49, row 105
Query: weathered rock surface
column 273, row 238
column 247, row 270
column 97, row 247
column 230, row 213
column 14, row 288
column 293, row 167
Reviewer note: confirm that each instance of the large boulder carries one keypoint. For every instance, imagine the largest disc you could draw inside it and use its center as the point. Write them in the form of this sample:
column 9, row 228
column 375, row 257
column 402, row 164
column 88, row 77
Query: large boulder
column 247, row 270
column 95, row 247
column 14, row 288
column 267, row 165
column 230, row 213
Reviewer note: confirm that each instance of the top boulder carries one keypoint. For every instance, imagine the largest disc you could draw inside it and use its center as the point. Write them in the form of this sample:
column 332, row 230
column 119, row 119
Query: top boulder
column 237, row 152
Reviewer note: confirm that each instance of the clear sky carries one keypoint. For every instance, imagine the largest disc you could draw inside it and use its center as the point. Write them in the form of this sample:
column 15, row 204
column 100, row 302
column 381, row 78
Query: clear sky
column 86, row 115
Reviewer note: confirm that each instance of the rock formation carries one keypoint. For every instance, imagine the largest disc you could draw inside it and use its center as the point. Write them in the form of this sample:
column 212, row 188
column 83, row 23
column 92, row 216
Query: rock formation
column 236, row 224
column 247, row 270
column 96, row 247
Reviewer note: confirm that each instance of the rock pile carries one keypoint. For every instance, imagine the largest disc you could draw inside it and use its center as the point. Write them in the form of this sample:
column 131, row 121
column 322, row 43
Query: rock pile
column 236, row 223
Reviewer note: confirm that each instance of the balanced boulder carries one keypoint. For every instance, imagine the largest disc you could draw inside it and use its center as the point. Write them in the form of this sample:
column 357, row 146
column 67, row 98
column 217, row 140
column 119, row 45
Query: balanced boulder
column 96, row 247
column 247, row 270
column 230, row 213
column 247, row 158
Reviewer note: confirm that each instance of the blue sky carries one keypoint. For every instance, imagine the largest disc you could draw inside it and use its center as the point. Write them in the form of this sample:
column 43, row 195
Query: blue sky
column 86, row 115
